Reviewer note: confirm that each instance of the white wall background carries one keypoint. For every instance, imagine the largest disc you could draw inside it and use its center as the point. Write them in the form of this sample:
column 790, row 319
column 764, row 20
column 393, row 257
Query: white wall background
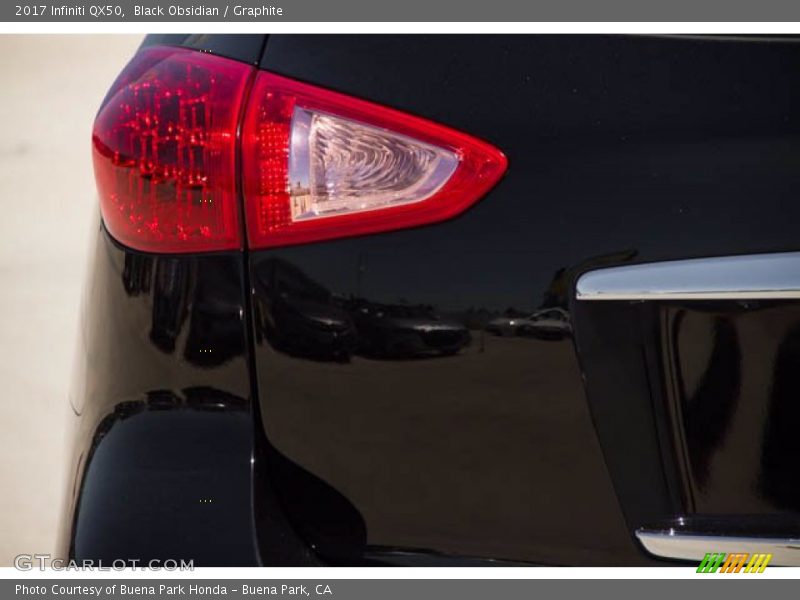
column 50, row 89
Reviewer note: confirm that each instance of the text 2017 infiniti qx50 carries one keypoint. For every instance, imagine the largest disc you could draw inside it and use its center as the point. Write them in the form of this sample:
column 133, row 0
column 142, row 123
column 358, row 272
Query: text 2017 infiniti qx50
column 289, row 350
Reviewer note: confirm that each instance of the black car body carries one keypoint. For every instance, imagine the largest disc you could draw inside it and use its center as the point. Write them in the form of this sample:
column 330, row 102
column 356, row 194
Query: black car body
column 225, row 419
column 297, row 315
column 398, row 331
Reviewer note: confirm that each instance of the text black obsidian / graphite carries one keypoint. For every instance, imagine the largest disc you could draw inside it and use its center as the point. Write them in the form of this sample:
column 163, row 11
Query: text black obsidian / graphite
column 202, row 10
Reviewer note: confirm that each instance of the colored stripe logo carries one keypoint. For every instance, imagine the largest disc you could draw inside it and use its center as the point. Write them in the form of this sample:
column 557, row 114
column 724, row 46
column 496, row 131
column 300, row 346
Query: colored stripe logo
column 735, row 562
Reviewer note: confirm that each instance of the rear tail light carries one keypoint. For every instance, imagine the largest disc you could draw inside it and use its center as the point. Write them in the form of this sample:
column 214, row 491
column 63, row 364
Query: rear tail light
column 164, row 145
column 315, row 164
column 320, row 165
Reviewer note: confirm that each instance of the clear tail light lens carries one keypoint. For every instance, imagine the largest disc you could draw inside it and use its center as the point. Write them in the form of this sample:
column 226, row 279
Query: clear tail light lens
column 319, row 165
column 339, row 166
column 164, row 147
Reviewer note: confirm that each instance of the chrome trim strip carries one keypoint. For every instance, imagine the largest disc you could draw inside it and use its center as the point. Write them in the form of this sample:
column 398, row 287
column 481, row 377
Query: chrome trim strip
column 671, row 544
column 746, row 277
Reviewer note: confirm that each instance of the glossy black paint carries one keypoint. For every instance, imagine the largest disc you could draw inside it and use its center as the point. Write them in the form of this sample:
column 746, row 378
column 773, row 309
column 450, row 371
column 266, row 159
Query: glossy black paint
column 486, row 451
column 732, row 378
column 163, row 435
column 245, row 48
column 392, row 413
column 166, row 475
column 612, row 339
column 621, row 150
column 694, row 404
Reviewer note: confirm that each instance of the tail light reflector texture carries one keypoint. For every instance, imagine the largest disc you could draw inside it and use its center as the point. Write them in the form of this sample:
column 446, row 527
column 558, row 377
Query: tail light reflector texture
column 319, row 165
column 340, row 166
column 164, row 148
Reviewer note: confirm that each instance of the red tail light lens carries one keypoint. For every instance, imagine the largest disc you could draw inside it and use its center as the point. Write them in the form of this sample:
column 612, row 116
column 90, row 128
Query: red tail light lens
column 319, row 165
column 164, row 147
column 315, row 164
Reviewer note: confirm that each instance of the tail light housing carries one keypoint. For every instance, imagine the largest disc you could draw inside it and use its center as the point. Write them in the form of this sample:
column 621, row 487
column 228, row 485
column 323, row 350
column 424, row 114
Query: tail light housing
column 319, row 165
column 164, row 148
column 315, row 164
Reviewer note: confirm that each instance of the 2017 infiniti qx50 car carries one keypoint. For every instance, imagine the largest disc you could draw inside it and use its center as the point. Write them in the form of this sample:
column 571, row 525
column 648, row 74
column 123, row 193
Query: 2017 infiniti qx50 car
column 289, row 352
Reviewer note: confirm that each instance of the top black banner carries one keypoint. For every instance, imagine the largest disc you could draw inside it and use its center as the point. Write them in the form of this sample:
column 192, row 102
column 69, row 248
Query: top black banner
column 408, row 10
